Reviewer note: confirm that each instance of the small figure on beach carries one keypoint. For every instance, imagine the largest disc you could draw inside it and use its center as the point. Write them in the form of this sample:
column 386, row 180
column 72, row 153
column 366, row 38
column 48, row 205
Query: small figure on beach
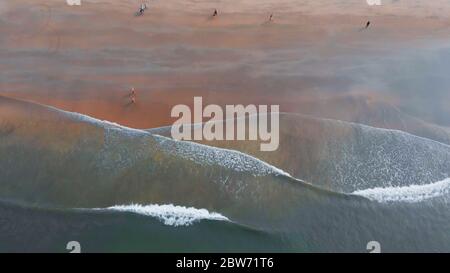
column 215, row 13
column 142, row 9
column 133, row 95
column 271, row 17
column 367, row 25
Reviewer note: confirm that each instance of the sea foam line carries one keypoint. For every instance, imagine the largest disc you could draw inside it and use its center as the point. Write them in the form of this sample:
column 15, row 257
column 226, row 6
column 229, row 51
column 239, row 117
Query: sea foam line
column 409, row 194
column 170, row 214
column 205, row 154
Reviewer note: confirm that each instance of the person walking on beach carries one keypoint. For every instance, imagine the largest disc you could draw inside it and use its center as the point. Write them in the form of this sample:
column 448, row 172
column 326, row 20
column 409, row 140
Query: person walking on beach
column 133, row 96
column 215, row 13
column 367, row 25
column 142, row 9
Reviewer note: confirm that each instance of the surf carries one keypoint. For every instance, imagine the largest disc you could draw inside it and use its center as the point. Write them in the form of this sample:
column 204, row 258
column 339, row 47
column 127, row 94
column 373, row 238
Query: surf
column 169, row 214
column 408, row 194
column 345, row 156
column 82, row 162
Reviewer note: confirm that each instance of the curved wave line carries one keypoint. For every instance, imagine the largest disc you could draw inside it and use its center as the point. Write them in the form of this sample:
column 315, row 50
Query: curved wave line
column 170, row 214
column 410, row 194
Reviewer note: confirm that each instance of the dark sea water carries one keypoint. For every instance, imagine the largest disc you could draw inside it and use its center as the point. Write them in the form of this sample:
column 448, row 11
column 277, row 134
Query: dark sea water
column 317, row 226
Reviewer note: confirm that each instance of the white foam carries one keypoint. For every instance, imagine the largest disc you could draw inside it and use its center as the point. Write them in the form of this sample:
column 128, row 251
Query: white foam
column 108, row 125
column 203, row 154
column 171, row 215
column 410, row 194
column 215, row 156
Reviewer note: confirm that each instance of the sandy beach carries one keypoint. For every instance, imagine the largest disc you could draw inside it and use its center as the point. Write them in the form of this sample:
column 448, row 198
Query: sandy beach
column 86, row 58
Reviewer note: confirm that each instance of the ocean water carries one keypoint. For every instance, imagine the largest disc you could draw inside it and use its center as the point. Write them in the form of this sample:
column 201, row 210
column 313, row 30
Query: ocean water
column 318, row 226
column 68, row 177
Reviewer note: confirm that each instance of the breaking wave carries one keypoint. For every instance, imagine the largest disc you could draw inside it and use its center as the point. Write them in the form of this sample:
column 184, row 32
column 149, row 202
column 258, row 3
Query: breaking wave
column 410, row 194
column 199, row 153
column 171, row 215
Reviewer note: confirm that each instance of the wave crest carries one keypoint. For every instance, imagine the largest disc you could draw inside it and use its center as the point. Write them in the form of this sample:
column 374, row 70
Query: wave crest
column 171, row 215
column 410, row 194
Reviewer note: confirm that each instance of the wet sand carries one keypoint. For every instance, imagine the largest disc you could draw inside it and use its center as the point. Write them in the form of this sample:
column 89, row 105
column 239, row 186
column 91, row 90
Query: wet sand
column 86, row 59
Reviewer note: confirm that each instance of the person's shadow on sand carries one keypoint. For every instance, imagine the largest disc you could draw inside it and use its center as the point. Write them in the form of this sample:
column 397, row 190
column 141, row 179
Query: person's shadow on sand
column 365, row 27
column 269, row 21
column 129, row 104
column 127, row 96
column 213, row 16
